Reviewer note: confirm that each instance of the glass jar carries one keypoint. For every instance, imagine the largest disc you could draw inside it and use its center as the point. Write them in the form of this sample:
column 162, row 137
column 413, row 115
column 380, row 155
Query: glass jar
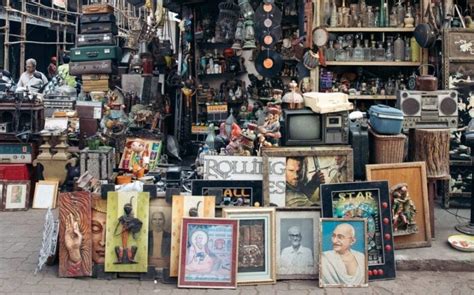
column 379, row 52
column 400, row 13
column 354, row 15
column 407, row 50
column 341, row 54
column 394, row 17
column 367, row 55
column 399, row 49
column 389, row 52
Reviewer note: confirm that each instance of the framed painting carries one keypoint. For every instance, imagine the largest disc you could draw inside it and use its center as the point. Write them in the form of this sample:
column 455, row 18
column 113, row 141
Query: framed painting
column 305, row 169
column 368, row 200
column 256, row 264
column 409, row 201
column 186, row 206
column 231, row 193
column 75, row 244
column 343, row 256
column 16, row 195
column 159, row 233
column 297, row 243
column 137, row 150
column 208, row 254
column 126, row 247
column 46, row 193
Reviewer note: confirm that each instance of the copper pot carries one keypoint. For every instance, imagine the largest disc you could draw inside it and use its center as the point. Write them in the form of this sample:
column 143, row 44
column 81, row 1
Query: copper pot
column 426, row 82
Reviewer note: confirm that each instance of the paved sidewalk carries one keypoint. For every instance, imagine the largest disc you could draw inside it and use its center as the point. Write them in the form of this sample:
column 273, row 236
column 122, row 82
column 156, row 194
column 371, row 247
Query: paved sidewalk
column 21, row 234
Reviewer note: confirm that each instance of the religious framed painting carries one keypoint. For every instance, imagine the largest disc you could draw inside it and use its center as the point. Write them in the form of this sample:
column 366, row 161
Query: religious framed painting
column 368, row 200
column 208, row 254
column 343, row 256
column 292, row 176
column 256, row 264
column 409, row 201
column 16, row 195
column 159, row 233
column 231, row 193
column 297, row 247
column 126, row 247
column 186, row 206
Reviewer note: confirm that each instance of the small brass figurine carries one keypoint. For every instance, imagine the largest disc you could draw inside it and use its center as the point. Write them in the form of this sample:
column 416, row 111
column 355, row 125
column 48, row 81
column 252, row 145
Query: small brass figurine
column 129, row 224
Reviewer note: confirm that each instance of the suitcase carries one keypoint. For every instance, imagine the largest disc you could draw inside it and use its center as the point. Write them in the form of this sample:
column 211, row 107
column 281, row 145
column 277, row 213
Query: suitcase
column 97, row 28
column 92, row 67
column 96, row 39
column 359, row 140
column 95, row 77
column 96, row 85
column 97, row 8
column 97, row 18
column 91, row 53
column 385, row 119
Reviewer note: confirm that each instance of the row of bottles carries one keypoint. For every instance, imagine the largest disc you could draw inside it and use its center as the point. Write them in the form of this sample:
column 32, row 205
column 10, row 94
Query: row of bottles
column 361, row 15
column 365, row 85
column 399, row 50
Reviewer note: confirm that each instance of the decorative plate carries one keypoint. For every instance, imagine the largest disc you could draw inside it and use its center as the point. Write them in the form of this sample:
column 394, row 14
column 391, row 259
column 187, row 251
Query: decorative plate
column 462, row 242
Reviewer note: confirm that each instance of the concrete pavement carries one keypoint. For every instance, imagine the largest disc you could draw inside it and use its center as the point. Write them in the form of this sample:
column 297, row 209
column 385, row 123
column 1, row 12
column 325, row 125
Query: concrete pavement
column 21, row 234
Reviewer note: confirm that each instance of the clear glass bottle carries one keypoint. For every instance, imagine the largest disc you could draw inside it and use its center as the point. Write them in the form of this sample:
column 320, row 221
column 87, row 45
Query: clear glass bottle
column 340, row 52
column 333, row 21
column 370, row 17
column 373, row 50
column 330, row 52
column 380, row 52
column 349, row 50
column 382, row 14
column 367, row 55
column 389, row 52
column 400, row 13
column 393, row 17
column 354, row 15
column 399, row 49
column 346, row 17
column 340, row 18
column 407, row 50
column 358, row 52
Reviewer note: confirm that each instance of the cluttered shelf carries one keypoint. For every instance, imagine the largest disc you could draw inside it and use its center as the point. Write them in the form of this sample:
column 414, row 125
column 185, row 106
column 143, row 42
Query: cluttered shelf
column 221, row 75
column 371, row 30
column 373, row 97
column 374, row 63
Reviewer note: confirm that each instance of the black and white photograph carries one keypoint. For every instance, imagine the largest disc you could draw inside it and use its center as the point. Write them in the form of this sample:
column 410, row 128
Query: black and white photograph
column 159, row 233
column 297, row 246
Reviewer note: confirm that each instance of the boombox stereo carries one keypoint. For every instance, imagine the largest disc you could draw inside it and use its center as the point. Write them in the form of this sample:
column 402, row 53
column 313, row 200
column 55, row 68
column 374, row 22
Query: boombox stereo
column 428, row 109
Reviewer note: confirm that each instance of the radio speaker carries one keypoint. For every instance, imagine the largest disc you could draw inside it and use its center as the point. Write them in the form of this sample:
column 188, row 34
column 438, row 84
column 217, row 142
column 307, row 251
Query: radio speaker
column 410, row 104
column 448, row 105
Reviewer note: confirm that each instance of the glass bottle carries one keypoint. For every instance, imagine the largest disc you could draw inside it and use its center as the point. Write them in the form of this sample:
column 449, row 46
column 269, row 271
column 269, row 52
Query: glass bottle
column 415, row 50
column 330, row 52
column 380, row 52
column 358, row 52
column 363, row 13
column 393, row 17
column 370, row 17
column 346, row 17
column 382, row 14
column 409, row 20
column 407, row 50
column 349, row 50
column 373, row 50
column 367, row 55
column 354, row 15
column 333, row 21
column 340, row 18
column 340, row 52
column 399, row 49
column 400, row 13
column 389, row 52
column 377, row 17
column 386, row 15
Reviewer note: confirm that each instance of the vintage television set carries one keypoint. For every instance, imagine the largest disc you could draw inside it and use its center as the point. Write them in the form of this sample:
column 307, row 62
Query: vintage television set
column 303, row 127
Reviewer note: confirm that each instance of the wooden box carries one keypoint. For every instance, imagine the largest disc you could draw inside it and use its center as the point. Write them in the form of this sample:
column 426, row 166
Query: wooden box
column 99, row 163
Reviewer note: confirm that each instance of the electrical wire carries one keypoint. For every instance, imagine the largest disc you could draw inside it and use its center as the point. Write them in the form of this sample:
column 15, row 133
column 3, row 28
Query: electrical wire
column 456, row 214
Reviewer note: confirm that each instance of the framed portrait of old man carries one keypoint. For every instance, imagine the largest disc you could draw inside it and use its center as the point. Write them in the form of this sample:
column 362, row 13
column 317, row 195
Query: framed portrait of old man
column 343, row 256
column 297, row 243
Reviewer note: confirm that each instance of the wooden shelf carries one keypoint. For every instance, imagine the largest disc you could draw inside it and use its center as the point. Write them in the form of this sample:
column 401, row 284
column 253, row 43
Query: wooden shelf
column 374, row 63
column 370, row 30
column 373, row 97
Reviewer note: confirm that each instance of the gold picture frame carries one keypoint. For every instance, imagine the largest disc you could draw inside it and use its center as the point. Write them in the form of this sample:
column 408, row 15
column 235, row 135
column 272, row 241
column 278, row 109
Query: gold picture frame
column 256, row 259
column 46, row 194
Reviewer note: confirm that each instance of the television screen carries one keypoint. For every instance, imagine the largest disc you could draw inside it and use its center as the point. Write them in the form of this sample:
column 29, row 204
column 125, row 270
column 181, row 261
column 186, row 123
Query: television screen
column 304, row 127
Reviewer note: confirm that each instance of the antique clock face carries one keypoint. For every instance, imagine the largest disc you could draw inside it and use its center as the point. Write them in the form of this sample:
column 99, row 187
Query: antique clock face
column 320, row 37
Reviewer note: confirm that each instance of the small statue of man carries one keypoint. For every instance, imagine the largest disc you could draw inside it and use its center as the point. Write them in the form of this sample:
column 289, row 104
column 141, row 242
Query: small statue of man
column 129, row 224
column 404, row 210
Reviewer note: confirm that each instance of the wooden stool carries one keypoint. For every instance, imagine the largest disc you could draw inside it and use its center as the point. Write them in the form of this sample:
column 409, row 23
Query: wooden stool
column 432, row 147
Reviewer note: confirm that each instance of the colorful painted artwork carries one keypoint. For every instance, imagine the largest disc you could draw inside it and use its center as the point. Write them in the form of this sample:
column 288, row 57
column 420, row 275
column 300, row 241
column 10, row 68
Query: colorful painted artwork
column 186, row 206
column 126, row 248
column 75, row 247
column 343, row 253
column 140, row 154
column 208, row 253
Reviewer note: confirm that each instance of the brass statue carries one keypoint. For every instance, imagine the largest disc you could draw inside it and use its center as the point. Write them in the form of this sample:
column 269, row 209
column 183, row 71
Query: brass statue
column 129, row 224
column 404, row 210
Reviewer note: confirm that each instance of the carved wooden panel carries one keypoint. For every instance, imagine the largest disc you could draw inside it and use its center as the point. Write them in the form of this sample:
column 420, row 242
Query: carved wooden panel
column 75, row 247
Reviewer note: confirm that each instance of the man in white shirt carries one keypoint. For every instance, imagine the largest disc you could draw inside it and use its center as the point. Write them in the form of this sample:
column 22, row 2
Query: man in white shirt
column 28, row 79
column 296, row 259
column 343, row 265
